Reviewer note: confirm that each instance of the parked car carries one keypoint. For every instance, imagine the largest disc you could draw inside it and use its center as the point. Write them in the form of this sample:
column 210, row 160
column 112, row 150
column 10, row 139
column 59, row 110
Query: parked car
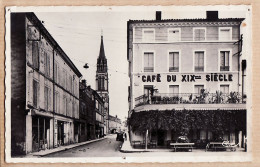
column 120, row 136
column 182, row 139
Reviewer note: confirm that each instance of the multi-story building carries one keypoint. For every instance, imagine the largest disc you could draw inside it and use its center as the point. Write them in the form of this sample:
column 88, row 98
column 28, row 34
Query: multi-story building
column 185, row 79
column 102, row 82
column 114, row 124
column 99, row 110
column 44, row 86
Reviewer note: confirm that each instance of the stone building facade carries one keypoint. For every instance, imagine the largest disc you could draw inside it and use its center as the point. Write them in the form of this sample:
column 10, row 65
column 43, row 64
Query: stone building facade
column 185, row 67
column 44, row 86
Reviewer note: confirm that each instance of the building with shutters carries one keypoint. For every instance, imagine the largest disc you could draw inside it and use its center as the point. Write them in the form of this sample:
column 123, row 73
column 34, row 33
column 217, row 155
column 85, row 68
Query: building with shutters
column 44, row 86
column 102, row 82
column 186, row 79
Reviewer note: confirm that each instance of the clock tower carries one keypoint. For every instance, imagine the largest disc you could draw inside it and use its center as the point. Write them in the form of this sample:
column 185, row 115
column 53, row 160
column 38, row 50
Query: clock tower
column 102, row 83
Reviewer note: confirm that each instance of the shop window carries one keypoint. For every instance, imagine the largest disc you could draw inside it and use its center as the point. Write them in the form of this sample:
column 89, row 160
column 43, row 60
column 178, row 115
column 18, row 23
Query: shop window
column 225, row 34
column 148, row 62
column 174, row 62
column 46, row 64
column 224, row 89
column 199, row 34
column 174, row 34
column 197, row 88
column 35, row 54
column 199, row 61
column 224, row 61
column 174, row 89
column 35, row 93
column 148, row 35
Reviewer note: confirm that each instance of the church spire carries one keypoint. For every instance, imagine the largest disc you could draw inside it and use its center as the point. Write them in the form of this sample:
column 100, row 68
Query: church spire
column 102, row 60
column 102, row 50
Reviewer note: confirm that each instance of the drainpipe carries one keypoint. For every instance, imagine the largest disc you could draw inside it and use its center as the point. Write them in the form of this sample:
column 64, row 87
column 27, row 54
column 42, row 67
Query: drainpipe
column 53, row 55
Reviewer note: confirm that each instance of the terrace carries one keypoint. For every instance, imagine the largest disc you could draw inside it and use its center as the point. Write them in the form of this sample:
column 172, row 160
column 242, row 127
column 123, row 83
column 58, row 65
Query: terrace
column 190, row 100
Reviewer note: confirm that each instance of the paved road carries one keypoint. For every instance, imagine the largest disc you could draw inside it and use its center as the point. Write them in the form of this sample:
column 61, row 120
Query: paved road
column 108, row 147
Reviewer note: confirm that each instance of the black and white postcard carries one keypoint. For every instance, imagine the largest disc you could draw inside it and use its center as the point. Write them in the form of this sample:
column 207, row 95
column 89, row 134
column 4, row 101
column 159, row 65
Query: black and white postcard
column 128, row 84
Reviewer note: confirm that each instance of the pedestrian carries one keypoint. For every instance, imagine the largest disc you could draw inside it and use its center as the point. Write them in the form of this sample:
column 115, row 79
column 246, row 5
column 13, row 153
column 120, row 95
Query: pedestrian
column 125, row 136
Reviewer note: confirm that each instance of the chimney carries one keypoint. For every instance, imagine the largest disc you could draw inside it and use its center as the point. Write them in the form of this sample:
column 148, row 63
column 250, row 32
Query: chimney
column 158, row 15
column 212, row 15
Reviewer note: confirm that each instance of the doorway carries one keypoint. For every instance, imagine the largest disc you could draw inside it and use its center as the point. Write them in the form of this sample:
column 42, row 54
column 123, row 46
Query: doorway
column 160, row 137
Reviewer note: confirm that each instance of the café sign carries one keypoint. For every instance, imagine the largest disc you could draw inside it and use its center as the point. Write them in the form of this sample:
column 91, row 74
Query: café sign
column 212, row 77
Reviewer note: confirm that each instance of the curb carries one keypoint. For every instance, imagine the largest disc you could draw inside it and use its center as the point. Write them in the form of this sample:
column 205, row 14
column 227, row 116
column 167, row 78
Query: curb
column 64, row 149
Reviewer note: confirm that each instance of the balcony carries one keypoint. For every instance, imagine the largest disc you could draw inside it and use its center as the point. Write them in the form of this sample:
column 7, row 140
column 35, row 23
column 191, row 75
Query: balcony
column 173, row 69
column 194, row 100
column 148, row 69
column 224, row 68
column 199, row 68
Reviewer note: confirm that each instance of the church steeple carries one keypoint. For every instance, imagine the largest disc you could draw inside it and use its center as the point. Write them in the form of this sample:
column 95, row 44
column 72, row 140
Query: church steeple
column 102, row 60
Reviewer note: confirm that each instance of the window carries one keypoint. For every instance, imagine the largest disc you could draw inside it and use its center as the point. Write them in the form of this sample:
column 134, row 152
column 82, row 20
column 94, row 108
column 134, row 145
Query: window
column 148, row 35
column 57, row 102
column 65, row 105
column 46, row 64
column 174, row 62
column 224, row 61
column 224, row 89
column 47, row 99
column 70, row 83
column 199, row 34
column 64, row 78
column 225, row 34
column 35, row 54
column 199, row 61
column 56, row 72
column 147, row 90
column 174, row 89
column 35, row 93
column 174, row 34
column 148, row 62
column 101, row 83
column 197, row 88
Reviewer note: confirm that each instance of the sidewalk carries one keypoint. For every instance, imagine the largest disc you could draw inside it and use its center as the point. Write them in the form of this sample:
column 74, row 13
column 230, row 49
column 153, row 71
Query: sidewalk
column 127, row 148
column 61, row 148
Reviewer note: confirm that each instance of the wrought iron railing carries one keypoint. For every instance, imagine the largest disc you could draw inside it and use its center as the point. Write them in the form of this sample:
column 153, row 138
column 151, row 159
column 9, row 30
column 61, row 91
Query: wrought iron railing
column 173, row 69
column 199, row 68
column 190, row 98
column 224, row 68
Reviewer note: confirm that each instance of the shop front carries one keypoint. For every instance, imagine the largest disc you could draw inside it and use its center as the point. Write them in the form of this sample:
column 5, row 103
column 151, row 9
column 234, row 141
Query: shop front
column 199, row 126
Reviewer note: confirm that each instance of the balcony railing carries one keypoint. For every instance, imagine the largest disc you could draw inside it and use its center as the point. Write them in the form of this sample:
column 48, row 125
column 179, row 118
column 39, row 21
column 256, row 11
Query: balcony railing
column 190, row 98
column 199, row 68
column 148, row 69
column 173, row 69
column 224, row 68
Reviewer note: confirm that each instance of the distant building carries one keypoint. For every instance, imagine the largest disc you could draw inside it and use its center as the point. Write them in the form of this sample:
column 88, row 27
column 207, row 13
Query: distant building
column 115, row 124
column 100, row 109
column 102, row 81
column 91, row 113
column 44, row 86
column 186, row 79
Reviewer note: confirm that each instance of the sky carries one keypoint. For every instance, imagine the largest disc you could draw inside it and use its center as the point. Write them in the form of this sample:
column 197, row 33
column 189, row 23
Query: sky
column 78, row 32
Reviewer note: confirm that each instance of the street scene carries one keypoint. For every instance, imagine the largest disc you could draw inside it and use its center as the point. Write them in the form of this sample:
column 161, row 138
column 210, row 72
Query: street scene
column 135, row 83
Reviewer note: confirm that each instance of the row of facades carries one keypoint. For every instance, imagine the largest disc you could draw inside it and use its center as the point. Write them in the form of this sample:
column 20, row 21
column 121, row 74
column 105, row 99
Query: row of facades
column 50, row 106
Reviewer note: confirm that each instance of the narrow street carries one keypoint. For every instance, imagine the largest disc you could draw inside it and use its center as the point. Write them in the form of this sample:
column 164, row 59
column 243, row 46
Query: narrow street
column 108, row 147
